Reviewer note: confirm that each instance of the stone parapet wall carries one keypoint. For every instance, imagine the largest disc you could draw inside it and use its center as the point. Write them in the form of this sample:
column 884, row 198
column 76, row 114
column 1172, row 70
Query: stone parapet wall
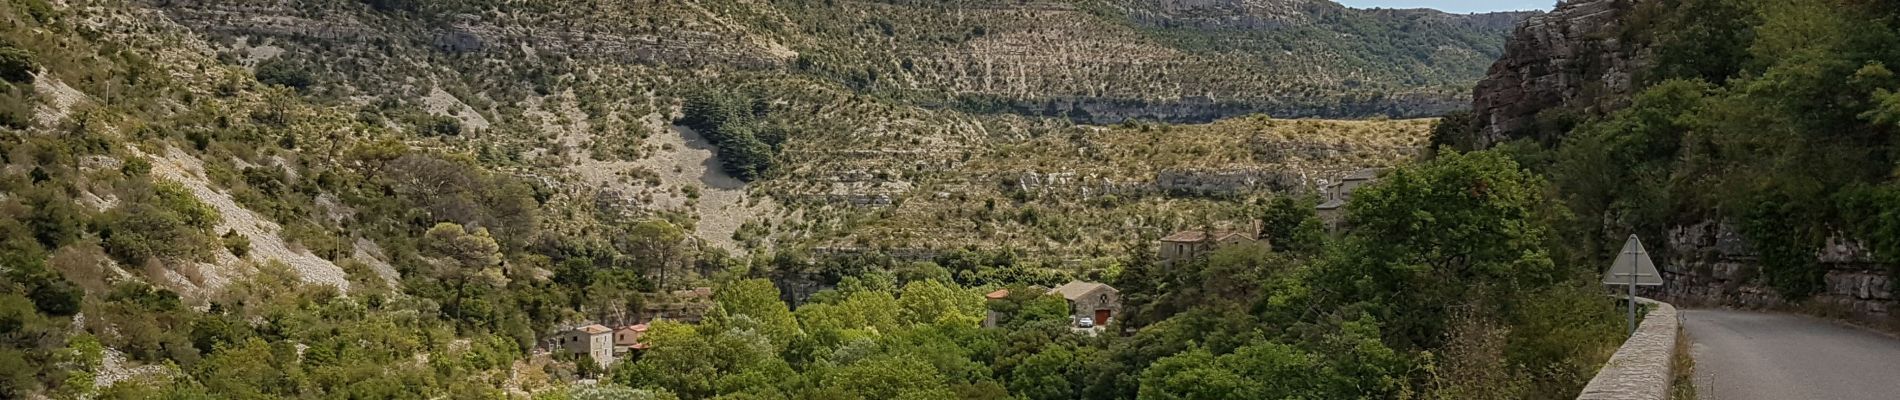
column 1642, row 368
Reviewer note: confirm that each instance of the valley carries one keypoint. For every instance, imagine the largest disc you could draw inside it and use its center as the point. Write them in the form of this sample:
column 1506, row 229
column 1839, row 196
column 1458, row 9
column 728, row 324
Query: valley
column 901, row 199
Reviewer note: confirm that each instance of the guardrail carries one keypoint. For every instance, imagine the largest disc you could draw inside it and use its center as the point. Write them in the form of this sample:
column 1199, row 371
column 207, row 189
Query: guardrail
column 1641, row 369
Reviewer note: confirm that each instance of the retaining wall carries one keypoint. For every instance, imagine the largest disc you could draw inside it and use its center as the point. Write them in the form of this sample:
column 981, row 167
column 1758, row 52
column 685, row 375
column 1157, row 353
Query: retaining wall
column 1641, row 369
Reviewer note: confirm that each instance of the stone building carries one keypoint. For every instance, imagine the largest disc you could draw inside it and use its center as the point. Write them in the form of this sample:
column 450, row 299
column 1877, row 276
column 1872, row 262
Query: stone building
column 627, row 338
column 1334, row 196
column 1191, row 245
column 595, row 341
column 1096, row 301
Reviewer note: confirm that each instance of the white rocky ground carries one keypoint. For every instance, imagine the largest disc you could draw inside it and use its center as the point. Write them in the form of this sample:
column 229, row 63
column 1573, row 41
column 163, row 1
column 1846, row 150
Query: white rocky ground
column 440, row 102
column 680, row 157
column 60, row 99
column 267, row 243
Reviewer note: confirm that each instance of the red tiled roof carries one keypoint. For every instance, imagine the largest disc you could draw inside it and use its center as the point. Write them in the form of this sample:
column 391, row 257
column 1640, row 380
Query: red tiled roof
column 998, row 294
column 595, row 329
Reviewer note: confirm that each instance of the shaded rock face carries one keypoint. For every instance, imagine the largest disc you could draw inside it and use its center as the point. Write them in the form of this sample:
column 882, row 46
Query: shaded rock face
column 1711, row 263
column 1571, row 58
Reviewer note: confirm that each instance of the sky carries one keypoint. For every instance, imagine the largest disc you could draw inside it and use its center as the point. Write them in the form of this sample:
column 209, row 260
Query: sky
column 1455, row 6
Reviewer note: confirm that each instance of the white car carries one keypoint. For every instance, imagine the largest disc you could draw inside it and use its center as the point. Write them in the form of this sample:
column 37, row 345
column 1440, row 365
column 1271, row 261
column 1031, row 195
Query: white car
column 1085, row 322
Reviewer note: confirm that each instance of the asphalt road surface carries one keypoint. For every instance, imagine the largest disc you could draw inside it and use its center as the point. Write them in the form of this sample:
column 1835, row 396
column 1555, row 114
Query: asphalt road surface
column 1743, row 355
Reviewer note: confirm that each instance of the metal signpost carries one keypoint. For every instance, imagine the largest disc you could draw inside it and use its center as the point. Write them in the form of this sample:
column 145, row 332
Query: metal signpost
column 1632, row 268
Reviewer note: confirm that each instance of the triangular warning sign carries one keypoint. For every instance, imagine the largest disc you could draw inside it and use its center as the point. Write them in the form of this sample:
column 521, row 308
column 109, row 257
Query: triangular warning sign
column 1633, row 261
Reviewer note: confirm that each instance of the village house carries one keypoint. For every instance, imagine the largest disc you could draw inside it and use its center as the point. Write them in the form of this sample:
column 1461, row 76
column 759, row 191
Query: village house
column 991, row 317
column 1191, row 245
column 627, row 338
column 594, row 341
column 1334, row 196
column 1096, row 302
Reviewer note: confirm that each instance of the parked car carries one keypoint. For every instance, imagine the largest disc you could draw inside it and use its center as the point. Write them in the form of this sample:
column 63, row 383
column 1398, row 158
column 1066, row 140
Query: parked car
column 1085, row 322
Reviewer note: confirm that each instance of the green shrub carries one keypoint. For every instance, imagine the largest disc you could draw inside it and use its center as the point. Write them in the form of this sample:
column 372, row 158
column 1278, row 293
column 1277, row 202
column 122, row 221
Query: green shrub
column 17, row 65
column 284, row 73
column 239, row 245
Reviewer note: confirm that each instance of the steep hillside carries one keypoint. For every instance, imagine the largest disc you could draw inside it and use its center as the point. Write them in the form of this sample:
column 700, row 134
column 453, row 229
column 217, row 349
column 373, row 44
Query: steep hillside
column 1090, row 60
column 1756, row 136
column 848, row 106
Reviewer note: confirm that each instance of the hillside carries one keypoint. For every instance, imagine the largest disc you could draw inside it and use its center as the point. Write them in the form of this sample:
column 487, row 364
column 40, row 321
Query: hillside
column 1096, row 61
column 585, row 105
column 408, row 199
column 1757, row 137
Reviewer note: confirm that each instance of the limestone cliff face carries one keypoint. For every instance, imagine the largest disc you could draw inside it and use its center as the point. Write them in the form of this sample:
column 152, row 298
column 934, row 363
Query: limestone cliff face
column 1574, row 57
column 1711, row 263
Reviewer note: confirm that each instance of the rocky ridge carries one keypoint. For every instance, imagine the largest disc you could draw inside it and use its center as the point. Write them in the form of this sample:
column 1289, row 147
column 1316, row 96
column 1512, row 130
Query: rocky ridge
column 1573, row 57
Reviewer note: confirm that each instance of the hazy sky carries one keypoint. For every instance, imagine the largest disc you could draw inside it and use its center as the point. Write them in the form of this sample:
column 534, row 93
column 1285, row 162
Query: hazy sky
column 1456, row 6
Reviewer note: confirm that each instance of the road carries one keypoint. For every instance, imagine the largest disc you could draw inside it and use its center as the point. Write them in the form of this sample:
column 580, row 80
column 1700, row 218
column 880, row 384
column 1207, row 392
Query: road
column 1743, row 355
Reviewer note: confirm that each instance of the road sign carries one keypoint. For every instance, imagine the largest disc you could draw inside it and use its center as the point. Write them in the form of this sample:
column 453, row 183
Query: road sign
column 1633, row 261
column 1633, row 268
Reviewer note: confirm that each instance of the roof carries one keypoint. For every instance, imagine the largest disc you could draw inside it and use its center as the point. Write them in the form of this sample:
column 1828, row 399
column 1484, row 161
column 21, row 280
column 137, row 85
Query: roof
column 998, row 294
column 635, row 328
column 1223, row 236
column 1364, row 174
column 1332, row 204
column 1075, row 289
column 1197, row 236
column 1187, row 236
column 594, row 329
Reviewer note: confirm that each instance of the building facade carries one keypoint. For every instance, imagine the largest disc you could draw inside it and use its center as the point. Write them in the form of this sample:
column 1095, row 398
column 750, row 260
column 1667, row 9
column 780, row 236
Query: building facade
column 1098, row 302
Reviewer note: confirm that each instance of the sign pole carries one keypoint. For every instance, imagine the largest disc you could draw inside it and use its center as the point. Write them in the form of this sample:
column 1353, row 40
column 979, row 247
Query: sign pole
column 1632, row 300
column 1634, row 265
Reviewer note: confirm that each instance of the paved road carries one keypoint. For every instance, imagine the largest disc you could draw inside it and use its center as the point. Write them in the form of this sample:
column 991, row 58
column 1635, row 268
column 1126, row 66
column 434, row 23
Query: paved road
column 1742, row 355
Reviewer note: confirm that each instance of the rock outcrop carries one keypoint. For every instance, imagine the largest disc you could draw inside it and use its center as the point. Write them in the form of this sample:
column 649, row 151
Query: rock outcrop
column 1711, row 263
column 1574, row 57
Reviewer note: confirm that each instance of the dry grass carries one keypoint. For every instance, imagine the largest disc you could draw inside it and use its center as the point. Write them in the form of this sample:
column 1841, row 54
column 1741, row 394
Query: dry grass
column 1682, row 386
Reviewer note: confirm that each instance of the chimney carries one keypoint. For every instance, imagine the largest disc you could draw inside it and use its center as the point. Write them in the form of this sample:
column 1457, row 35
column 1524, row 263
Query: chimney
column 1257, row 229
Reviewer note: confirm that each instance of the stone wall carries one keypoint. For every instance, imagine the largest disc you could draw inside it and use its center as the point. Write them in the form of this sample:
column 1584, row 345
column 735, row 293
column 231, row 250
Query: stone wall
column 1711, row 263
column 1643, row 368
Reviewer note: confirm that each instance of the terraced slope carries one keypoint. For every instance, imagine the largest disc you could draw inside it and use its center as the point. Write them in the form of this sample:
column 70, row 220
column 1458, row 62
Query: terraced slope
column 1099, row 61
column 878, row 114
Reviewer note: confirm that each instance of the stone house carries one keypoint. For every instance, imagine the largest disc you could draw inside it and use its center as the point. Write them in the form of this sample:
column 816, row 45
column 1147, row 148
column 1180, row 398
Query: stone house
column 627, row 338
column 594, row 341
column 990, row 317
column 1191, row 245
column 1334, row 196
column 1093, row 300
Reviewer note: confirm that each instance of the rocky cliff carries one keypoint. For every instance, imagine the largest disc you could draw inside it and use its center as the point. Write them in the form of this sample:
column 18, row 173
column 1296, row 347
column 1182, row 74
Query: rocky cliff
column 1711, row 263
column 1575, row 58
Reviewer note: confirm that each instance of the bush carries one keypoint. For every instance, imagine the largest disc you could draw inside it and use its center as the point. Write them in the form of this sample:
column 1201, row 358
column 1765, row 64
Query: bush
column 16, row 65
column 239, row 245
column 165, row 223
column 283, row 73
